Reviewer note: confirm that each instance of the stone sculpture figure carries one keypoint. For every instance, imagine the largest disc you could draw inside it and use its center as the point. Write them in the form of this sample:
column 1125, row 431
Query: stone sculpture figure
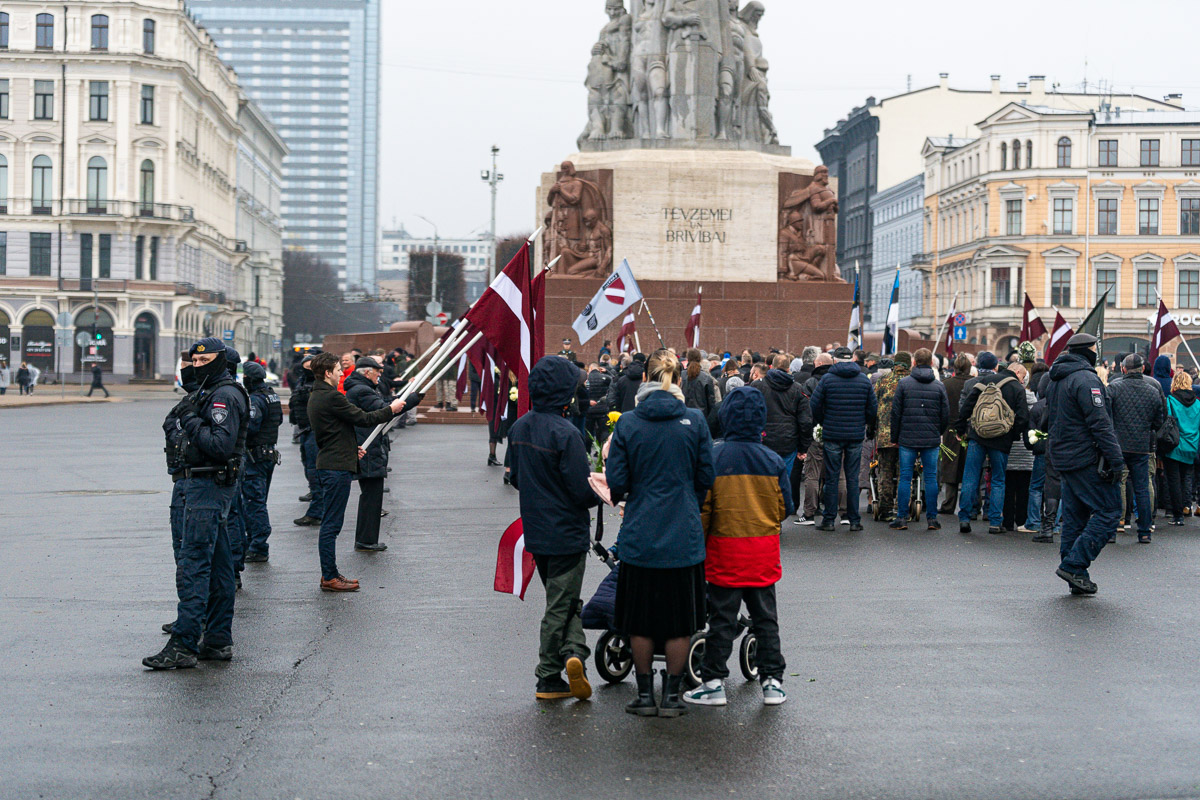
column 595, row 258
column 693, row 55
column 731, row 77
column 808, row 237
column 648, row 71
column 757, row 122
column 608, row 76
column 797, row 258
column 578, row 225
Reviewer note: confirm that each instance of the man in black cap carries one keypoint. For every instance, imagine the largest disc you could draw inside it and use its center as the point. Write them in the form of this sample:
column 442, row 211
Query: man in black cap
column 566, row 351
column 214, row 421
column 1084, row 449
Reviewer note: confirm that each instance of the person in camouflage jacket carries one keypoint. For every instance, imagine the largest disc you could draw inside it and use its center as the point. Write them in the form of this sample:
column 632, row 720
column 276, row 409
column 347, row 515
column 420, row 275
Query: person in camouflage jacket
column 887, row 450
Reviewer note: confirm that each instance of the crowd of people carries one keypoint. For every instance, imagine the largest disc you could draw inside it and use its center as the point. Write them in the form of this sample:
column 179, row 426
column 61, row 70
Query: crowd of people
column 710, row 454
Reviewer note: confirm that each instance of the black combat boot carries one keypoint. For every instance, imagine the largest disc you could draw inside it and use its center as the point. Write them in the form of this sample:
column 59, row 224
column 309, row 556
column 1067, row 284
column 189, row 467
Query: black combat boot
column 643, row 705
column 672, row 704
column 173, row 656
column 1048, row 518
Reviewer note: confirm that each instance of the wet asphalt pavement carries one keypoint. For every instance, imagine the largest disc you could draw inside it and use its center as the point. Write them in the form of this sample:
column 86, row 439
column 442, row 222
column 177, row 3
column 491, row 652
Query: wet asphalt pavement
column 920, row 665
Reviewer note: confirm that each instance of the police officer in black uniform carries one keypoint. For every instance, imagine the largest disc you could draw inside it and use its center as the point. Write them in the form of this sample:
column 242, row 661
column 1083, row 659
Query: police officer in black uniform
column 237, row 521
column 214, row 421
column 1083, row 449
column 177, row 462
column 266, row 415
column 566, row 351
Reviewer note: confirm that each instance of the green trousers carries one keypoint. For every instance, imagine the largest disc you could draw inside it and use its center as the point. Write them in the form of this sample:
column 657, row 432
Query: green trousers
column 562, row 629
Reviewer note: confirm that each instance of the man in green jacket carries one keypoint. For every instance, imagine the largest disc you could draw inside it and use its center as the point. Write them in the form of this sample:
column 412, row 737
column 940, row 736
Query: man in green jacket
column 333, row 419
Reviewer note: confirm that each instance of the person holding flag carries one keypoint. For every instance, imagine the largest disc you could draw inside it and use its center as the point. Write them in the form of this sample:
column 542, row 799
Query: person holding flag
column 854, row 335
column 692, row 331
column 891, row 327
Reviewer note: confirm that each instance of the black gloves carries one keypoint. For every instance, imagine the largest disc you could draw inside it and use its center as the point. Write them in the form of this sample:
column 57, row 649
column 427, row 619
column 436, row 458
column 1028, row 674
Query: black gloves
column 413, row 401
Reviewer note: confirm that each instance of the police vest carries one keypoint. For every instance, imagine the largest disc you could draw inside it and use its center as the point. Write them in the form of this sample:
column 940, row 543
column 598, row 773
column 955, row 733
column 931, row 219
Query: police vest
column 268, row 433
column 204, row 407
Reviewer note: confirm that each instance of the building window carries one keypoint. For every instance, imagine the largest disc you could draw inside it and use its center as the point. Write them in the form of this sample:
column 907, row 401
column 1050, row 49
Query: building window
column 148, row 37
column 1064, row 152
column 99, row 32
column 3, row 31
column 1189, row 216
column 1148, row 216
column 1108, row 152
column 1003, row 156
column 39, row 254
column 147, row 105
column 257, row 290
column 1064, row 215
column 1106, row 281
column 1147, row 288
column 85, row 256
column 1012, row 216
column 106, row 255
column 43, row 99
column 98, row 105
column 1028, row 154
column 153, row 258
column 1149, row 153
column 3, row 252
column 1106, row 216
column 139, row 258
column 97, row 186
column 1060, row 287
column 1190, row 153
column 4, row 98
column 146, row 188
column 1016, row 154
column 1189, row 288
column 43, row 185
column 3, row 185
column 45, row 31
column 1001, row 286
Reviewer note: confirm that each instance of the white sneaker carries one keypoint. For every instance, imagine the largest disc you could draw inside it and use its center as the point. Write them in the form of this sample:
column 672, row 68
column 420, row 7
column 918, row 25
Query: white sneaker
column 709, row 693
column 773, row 693
column 804, row 521
column 844, row 522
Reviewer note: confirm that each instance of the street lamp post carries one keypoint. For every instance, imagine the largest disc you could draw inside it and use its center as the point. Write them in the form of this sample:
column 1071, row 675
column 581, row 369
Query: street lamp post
column 493, row 179
column 433, row 276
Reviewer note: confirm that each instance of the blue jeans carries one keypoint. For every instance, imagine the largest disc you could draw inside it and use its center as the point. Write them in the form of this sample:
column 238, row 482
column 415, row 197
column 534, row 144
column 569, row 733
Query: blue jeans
column 205, row 575
column 1037, row 485
column 841, row 456
column 308, row 453
column 1091, row 509
column 255, row 488
column 973, row 472
column 929, row 465
column 335, row 490
column 790, row 462
column 1138, row 465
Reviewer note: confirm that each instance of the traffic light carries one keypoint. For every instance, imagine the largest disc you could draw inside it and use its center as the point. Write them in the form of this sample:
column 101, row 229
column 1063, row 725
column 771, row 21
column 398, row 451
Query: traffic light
column 99, row 336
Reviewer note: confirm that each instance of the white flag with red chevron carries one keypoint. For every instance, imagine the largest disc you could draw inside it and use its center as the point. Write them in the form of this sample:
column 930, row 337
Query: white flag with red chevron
column 618, row 292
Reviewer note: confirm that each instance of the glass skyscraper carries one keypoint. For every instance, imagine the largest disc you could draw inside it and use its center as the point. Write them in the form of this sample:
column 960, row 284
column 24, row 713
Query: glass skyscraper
column 313, row 66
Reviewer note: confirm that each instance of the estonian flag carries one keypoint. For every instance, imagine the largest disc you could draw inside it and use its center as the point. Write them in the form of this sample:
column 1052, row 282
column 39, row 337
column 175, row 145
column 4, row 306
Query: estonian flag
column 891, row 328
column 854, row 337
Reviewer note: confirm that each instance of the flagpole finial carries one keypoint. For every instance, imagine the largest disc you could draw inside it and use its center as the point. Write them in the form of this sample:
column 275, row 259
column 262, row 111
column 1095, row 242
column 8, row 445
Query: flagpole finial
column 536, row 234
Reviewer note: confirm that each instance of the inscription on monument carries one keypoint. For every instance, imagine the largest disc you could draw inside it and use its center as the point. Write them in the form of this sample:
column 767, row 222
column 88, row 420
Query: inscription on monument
column 699, row 225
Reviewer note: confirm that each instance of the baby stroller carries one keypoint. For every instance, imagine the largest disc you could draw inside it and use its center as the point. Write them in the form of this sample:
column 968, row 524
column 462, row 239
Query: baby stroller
column 613, row 656
column 917, row 495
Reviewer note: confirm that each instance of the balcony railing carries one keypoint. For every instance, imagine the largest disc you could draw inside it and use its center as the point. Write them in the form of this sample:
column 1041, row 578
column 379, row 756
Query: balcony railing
column 25, row 206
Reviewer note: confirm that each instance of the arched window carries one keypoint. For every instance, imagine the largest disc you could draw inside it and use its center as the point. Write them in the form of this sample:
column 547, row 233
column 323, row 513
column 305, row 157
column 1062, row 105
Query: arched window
column 97, row 185
column 1064, row 152
column 1016, row 154
column 148, row 36
column 99, row 32
column 45, row 31
column 146, row 188
column 3, row 185
column 1003, row 156
column 1028, row 154
column 43, row 184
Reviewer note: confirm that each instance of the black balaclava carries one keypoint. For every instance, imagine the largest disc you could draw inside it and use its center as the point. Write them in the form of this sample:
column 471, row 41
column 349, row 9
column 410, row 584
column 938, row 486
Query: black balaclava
column 213, row 370
column 187, row 379
column 1086, row 354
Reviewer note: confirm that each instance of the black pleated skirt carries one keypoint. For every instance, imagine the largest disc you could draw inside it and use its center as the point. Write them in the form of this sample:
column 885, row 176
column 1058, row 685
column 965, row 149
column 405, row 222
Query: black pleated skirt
column 660, row 603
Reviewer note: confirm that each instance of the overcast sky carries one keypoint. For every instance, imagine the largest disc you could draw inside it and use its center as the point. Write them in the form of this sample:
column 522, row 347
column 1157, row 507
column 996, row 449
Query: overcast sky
column 461, row 75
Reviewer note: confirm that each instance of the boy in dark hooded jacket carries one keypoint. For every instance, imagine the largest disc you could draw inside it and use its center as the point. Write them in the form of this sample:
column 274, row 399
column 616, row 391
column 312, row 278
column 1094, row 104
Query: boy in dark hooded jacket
column 741, row 515
column 550, row 469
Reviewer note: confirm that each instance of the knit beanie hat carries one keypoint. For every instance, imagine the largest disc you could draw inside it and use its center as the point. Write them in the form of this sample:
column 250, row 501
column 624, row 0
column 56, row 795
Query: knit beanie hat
column 904, row 359
column 986, row 360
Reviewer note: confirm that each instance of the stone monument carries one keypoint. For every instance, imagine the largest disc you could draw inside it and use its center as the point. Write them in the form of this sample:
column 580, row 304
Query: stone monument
column 680, row 169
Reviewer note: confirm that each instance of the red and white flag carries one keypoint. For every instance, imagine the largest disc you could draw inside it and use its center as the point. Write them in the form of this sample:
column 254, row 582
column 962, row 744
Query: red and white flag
column 950, row 335
column 514, row 565
column 1032, row 326
column 1165, row 330
column 692, row 331
column 1058, row 337
column 505, row 315
column 625, row 341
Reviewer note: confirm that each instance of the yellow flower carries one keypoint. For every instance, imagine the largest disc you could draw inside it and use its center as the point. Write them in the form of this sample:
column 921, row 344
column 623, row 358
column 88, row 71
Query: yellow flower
column 613, row 416
column 512, row 394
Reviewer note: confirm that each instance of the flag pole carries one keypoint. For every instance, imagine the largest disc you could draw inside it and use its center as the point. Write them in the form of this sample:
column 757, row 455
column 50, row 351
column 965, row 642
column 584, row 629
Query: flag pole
column 646, row 308
column 433, row 348
column 953, row 310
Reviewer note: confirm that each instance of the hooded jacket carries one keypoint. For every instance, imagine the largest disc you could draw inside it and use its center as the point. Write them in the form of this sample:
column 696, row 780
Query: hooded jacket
column 1138, row 411
column 1077, row 409
column 750, row 497
column 365, row 395
column 549, row 465
column 844, row 404
column 660, row 462
column 1014, row 395
column 920, row 411
column 1183, row 407
column 1162, row 374
column 789, row 418
column 622, row 395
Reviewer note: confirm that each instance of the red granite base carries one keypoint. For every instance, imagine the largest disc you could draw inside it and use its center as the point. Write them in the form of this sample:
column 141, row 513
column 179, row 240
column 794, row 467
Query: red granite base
column 784, row 315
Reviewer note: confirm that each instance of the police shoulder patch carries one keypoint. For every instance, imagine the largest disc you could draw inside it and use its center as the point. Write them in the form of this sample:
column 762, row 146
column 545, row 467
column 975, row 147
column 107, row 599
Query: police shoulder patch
column 1098, row 398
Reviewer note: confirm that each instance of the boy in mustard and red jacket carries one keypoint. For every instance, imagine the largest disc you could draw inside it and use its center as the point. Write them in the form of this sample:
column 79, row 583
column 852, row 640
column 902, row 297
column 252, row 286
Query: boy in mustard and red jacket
column 741, row 517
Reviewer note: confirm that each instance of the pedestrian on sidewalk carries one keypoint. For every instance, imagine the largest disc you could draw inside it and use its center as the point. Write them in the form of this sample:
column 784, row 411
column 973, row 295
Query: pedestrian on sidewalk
column 333, row 419
column 550, row 471
column 23, row 379
column 5, row 377
column 363, row 391
column 35, row 374
column 750, row 497
column 920, row 414
column 97, row 381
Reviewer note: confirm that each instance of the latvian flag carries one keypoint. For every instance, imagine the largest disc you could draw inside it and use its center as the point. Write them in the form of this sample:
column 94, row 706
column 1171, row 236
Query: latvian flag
column 1058, row 337
column 1165, row 330
column 1032, row 326
column 626, row 342
column 692, row 331
column 514, row 566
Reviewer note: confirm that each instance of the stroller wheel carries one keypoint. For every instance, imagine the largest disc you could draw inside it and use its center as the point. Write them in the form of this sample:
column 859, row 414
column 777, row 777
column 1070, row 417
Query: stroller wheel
column 613, row 660
column 747, row 655
column 695, row 656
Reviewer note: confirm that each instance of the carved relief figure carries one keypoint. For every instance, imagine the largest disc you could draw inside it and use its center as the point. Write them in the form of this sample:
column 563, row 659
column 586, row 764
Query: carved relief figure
column 648, row 71
column 797, row 259
column 692, row 40
column 595, row 258
column 811, row 215
column 732, row 76
column 608, row 76
column 578, row 227
column 757, row 123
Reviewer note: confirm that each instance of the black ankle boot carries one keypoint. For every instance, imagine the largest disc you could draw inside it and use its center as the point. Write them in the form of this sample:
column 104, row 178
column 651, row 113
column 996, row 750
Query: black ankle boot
column 672, row 705
column 643, row 705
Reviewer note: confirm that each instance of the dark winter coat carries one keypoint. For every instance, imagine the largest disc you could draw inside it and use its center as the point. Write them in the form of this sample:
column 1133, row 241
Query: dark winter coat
column 1014, row 395
column 660, row 462
column 23, row 376
column 97, row 376
column 810, row 385
column 334, row 419
column 549, row 465
column 701, row 393
column 844, row 404
column 598, row 384
column 789, row 418
column 365, row 395
column 951, row 469
column 920, row 410
column 1162, row 374
column 298, row 402
column 1081, row 428
column 1138, row 411
column 622, row 395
